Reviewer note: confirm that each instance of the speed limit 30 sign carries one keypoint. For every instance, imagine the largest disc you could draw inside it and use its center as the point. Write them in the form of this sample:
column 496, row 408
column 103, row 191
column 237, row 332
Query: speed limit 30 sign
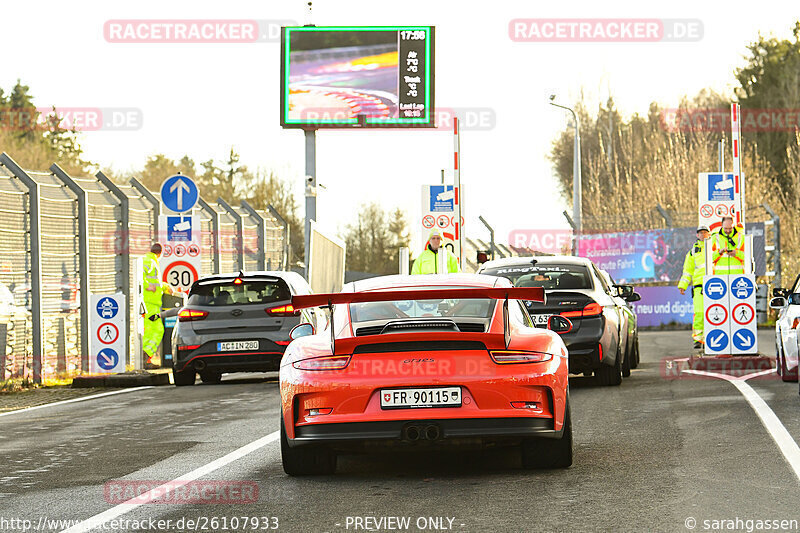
column 180, row 275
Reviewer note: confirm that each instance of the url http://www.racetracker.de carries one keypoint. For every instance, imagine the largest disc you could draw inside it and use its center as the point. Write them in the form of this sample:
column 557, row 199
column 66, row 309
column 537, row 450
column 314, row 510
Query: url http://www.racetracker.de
column 194, row 523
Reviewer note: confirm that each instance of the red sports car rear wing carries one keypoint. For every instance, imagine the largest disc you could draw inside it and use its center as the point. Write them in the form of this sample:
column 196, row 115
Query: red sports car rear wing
column 535, row 294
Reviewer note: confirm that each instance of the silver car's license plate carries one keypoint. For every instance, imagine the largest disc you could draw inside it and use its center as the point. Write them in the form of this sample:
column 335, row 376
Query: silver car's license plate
column 235, row 346
column 428, row 397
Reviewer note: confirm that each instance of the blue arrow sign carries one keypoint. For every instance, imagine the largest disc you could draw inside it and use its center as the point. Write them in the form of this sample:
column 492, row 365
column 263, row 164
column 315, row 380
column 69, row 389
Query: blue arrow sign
column 107, row 308
column 715, row 288
column 744, row 339
column 107, row 358
column 742, row 288
column 179, row 193
column 717, row 340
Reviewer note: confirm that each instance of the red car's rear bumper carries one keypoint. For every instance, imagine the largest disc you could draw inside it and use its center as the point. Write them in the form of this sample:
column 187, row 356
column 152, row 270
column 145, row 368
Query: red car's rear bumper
column 491, row 395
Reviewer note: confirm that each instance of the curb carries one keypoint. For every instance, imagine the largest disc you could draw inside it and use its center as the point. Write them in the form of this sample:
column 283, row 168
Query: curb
column 124, row 380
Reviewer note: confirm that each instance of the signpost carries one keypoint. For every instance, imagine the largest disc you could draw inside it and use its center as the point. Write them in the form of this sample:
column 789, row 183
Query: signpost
column 108, row 321
column 180, row 261
column 716, row 198
column 439, row 210
column 730, row 319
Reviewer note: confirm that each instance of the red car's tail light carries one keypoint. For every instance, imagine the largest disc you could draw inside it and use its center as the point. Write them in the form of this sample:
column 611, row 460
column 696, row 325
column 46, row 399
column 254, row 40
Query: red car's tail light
column 331, row 362
column 504, row 357
column 188, row 315
column 593, row 309
column 283, row 310
column 189, row 347
column 600, row 351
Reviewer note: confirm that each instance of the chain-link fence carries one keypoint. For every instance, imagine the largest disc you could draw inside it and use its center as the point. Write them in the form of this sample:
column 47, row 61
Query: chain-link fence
column 63, row 238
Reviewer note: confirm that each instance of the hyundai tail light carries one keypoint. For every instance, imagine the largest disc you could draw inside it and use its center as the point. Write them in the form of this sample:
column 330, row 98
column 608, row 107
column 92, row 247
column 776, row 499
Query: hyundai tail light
column 188, row 315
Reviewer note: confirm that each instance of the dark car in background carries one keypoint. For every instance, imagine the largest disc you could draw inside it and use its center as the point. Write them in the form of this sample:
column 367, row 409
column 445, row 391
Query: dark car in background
column 237, row 323
column 574, row 288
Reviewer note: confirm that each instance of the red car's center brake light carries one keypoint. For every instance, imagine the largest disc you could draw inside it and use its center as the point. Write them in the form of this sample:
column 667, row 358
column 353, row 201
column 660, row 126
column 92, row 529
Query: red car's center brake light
column 283, row 310
column 332, row 362
column 593, row 309
column 188, row 315
column 505, row 357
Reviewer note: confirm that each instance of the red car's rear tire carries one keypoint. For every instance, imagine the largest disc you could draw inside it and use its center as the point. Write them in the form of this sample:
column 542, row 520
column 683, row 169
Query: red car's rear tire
column 549, row 453
column 306, row 460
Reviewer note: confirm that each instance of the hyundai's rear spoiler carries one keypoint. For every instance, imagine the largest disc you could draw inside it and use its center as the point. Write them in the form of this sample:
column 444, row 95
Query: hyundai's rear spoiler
column 535, row 294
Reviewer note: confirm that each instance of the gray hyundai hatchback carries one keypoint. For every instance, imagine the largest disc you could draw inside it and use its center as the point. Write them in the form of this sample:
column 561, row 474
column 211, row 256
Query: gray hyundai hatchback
column 237, row 323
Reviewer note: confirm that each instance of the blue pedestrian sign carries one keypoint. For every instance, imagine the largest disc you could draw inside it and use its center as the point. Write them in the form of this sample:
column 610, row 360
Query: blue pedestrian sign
column 742, row 288
column 179, row 193
column 720, row 187
column 717, row 340
column 715, row 288
column 107, row 308
column 107, row 358
column 744, row 339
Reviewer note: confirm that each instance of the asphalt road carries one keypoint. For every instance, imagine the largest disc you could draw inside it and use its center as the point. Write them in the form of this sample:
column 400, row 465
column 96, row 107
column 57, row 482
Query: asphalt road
column 649, row 455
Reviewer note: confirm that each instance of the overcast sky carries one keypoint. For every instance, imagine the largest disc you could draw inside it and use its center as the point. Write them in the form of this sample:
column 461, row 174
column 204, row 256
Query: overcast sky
column 201, row 99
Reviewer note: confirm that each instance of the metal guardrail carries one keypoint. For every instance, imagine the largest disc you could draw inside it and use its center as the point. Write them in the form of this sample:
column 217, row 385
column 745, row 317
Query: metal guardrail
column 65, row 237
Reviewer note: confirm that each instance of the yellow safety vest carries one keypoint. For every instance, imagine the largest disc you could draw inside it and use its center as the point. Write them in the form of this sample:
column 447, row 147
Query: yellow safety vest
column 720, row 242
column 694, row 266
column 151, row 275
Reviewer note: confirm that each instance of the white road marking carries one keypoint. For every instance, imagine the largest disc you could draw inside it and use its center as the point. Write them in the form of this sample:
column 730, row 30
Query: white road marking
column 125, row 507
column 776, row 429
column 73, row 400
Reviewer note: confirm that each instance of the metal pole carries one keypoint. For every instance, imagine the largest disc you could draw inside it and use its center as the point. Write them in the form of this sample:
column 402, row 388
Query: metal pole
column 136, row 184
column 402, row 256
column 776, row 253
column 215, row 225
column 721, row 156
column 442, row 176
column 262, row 236
column 311, row 191
column 36, row 262
column 282, row 221
column 576, row 171
column 491, row 235
column 239, row 230
column 663, row 212
column 574, row 234
column 125, row 245
column 83, row 257
column 459, row 193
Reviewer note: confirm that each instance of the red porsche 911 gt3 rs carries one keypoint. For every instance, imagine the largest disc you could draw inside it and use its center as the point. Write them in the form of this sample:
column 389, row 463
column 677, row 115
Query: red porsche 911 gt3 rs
column 414, row 361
